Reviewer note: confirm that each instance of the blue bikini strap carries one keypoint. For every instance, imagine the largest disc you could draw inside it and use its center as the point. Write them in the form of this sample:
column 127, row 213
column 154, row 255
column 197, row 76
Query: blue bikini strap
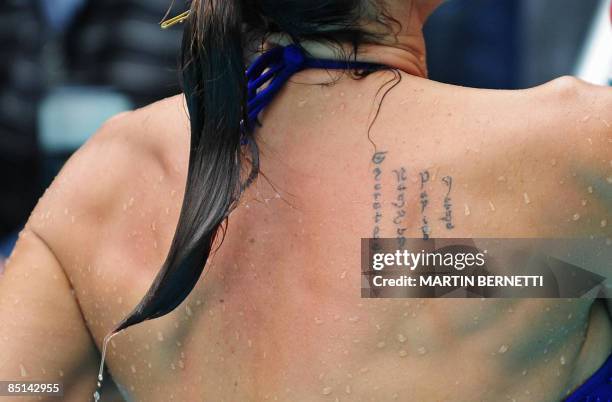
column 276, row 66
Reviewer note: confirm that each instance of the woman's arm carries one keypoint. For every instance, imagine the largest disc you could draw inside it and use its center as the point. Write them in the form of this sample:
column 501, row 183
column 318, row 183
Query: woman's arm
column 46, row 332
column 42, row 333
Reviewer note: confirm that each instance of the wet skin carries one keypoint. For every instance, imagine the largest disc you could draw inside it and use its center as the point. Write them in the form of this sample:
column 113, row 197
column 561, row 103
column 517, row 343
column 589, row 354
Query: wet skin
column 278, row 313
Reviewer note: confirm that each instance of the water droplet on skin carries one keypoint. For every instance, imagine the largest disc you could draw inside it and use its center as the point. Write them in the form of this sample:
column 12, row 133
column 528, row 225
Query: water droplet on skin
column 318, row 321
column 100, row 378
column 603, row 223
column 402, row 353
column 583, row 203
column 327, row 391
column 302, row 102
column 562, row 360
column 466, row 210
column 353, row 318
column 22, row 370
column 380, row 345
column 422, row 350
column 526, row 198
column 96, row 396
column 401, row 338
column 502, row 349
column 576, row 217
column 160, row 336
column 491, row 206
column 188, row 311
column 343, row 275
column 133, row 368
column 524, row 372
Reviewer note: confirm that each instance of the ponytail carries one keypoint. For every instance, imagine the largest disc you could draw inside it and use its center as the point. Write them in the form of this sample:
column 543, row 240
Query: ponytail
column 215, row 90
column 214, row 81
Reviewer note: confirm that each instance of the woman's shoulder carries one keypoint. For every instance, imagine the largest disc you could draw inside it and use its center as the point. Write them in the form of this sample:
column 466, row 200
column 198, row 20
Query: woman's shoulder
column 523, row 150
column 570, row 113
column 559, row 93
column 127, row 175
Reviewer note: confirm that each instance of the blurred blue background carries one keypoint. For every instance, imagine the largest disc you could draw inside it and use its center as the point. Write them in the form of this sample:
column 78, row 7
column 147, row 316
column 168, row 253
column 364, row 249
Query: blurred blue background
column 68, row 65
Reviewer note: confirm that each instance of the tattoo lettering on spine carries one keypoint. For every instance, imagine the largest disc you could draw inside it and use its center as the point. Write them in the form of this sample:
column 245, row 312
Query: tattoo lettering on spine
column 377, row 160
column 424, row 200
column 400, row 206
column 448, row 205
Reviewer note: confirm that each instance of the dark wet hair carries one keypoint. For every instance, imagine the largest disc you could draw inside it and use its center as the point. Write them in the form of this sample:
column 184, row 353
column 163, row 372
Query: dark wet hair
column 216, row 40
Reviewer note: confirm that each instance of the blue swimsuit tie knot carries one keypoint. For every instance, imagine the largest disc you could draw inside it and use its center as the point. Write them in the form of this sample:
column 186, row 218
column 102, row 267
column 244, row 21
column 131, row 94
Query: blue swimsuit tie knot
column 275, row 67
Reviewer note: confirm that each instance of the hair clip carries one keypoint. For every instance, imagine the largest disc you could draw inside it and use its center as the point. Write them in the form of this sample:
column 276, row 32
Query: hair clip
column 175, row 20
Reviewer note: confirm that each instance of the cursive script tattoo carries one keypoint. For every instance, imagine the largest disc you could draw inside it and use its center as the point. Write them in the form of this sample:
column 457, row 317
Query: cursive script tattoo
column 424, row 200
column 400, row 205
column 448, row 205
column 377, row 160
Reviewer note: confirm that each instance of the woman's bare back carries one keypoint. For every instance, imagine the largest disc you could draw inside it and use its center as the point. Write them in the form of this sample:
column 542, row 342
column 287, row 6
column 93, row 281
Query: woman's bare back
column 278, row 314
